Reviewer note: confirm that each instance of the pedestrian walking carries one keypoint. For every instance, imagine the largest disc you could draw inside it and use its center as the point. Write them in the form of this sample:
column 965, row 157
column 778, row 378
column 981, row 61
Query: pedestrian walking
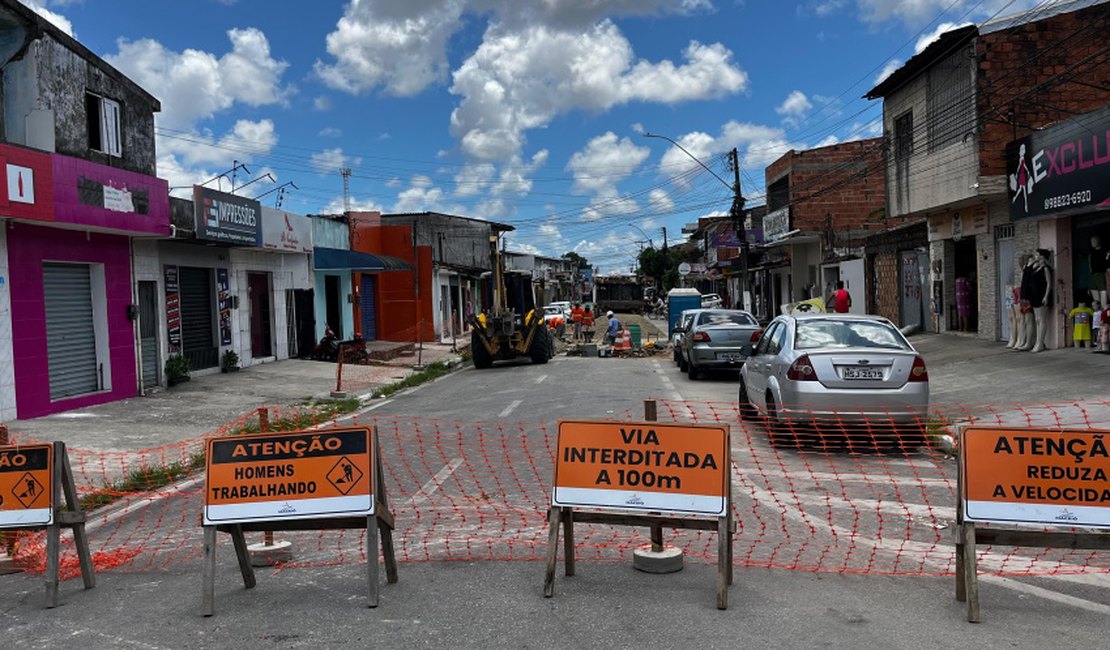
column 840, row 300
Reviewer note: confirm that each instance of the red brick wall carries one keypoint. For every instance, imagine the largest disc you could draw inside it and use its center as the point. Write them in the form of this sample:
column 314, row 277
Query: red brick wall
column 883, row 295
column 843, row 180
column 1026, row 71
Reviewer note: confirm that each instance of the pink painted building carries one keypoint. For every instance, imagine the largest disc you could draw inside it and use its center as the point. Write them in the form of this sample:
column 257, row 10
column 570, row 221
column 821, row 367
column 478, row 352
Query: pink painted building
column 73, row 304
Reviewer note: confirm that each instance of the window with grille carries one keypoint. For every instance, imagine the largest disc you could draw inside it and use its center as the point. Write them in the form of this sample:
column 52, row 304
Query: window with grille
column 950, row 105
column 903, row 136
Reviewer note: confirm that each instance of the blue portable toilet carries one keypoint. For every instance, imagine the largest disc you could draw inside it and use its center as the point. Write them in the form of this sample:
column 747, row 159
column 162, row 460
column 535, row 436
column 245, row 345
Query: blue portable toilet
column 679, row 300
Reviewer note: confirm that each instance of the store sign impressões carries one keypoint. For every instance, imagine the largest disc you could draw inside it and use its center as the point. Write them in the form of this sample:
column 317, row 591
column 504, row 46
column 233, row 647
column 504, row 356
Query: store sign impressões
column 227, row 218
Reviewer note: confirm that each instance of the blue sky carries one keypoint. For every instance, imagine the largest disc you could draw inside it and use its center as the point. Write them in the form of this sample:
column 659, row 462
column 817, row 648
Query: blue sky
column 528, row 112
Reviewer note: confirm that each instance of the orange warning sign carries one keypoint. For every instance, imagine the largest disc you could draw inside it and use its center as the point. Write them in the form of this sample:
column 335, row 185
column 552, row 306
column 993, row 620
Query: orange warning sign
column 295, row 475
column 26, row 486
column 1051, row 477
column 642, row 466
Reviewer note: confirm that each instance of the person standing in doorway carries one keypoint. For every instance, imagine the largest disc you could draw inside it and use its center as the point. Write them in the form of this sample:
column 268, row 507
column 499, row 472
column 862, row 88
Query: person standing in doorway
column 840, row 300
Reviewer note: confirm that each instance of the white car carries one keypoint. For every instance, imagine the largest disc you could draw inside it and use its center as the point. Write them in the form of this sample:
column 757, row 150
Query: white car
column 711, row 301
column 553, row 311
column 564, row 305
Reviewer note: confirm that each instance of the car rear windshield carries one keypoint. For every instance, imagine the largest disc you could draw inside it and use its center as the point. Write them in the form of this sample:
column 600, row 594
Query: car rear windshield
column 813, row 334
column 726, row 318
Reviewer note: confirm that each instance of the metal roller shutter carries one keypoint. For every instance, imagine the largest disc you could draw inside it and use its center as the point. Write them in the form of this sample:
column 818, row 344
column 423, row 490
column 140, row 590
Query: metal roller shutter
column 70, row 333
column 369, row 314
column 196, row 317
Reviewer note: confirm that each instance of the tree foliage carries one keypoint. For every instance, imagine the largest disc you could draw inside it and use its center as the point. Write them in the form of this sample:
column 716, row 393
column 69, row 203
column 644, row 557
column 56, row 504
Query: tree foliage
column 576, row 259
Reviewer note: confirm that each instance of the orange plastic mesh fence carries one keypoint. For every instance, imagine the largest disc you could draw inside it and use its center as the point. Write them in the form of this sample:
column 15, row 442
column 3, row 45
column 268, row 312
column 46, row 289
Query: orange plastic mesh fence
column 841, row 496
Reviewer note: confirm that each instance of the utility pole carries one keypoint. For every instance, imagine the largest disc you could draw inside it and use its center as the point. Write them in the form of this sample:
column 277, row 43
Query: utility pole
column 664, row 238
column 346, row 174
column 737, row 214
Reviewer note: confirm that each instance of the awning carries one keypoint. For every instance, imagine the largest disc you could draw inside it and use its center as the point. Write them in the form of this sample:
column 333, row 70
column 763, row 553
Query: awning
column 338, row 259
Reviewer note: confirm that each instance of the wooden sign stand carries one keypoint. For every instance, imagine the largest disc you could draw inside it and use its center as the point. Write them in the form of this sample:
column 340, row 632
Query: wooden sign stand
column 70, row 515
column 968, row 536
column 566, row 517
column 381, row 522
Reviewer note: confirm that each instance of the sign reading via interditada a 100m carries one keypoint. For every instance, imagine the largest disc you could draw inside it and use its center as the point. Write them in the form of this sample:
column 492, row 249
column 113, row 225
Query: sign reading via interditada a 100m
column 1030, row 476
column 642, row 466
column 296, row 475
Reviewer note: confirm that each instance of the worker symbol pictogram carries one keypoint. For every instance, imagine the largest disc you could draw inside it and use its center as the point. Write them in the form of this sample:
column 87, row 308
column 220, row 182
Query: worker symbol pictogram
column 27, row 490
column 345, row 475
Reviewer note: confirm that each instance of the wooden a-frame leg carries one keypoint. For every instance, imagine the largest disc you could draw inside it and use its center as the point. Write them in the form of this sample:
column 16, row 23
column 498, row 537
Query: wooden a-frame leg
column 243, row 555
column 568, row 541
column 553, row 517
column 372, row 561
column 208, row 588
column 971, row 573
column 723, row 564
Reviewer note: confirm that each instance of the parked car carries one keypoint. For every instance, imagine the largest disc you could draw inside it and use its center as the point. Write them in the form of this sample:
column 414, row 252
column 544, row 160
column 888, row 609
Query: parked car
column 711, row 301
column 715, row 340
column 835, row 369
column 680, row 327
column 564, row 305
column 553, row 311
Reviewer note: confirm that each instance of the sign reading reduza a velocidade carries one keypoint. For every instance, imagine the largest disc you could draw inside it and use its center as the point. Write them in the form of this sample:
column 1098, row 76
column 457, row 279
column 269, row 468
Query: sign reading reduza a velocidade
column 227, row 218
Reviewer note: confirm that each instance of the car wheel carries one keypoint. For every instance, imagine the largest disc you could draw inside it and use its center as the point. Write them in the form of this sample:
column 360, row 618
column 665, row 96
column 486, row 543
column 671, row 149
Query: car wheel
column 692, row 371
column 682, row 365
column 677, row 357
column 747, row 411
column 778, row 434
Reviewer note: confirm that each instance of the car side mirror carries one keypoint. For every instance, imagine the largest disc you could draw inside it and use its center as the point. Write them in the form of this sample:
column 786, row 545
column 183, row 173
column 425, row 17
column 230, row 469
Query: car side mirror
column 746, row 349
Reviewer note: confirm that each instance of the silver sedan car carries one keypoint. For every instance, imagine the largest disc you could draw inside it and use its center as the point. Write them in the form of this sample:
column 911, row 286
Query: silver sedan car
column 835, row 370
column 714, row 340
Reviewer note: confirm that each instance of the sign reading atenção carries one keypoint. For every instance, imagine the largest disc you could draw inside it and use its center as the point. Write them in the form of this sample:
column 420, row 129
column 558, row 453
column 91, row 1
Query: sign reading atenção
column 26, row 486
column 642, row 466
column 1053, row 477
column 295, row 475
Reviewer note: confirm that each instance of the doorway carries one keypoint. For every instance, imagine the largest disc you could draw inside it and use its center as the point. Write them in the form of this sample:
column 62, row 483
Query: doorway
column 148, row 332
column 965, row 266
column 258, row 285
column 333, row 306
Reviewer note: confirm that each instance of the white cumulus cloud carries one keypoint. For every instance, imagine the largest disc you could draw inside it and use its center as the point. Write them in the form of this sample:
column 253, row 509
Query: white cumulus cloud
column 604, row 162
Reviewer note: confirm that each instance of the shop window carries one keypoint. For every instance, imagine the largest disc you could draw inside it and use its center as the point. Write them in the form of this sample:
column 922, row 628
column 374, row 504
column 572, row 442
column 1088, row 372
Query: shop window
column 103, row 118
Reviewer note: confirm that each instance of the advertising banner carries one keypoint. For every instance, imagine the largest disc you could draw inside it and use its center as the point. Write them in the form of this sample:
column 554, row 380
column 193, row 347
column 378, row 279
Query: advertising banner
column 286, row 231
column 227, row 218
column 776, row 224
column 1062, row 169
column 173, row 309
column 223, row 302
column 28, row 188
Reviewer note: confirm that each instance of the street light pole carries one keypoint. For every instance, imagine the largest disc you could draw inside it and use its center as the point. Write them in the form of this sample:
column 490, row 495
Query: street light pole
column 736, row 212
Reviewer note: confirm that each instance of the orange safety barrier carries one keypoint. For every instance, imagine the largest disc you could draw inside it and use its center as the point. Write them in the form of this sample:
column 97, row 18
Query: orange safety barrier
column 623, row 343
column 845, row 494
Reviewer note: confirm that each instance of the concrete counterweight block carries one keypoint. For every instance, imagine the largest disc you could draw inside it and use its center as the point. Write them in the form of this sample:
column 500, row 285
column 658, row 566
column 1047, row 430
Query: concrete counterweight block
column 263, row 554
column 668, row 560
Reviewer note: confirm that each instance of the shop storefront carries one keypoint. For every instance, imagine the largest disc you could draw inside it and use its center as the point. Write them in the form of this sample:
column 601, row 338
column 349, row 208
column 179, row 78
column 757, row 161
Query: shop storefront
column 1059, row 189
column 204, row 292
column 69, row 278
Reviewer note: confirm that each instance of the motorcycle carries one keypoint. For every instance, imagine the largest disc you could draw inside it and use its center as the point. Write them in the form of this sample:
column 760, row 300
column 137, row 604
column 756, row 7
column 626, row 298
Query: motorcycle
column 328, row 347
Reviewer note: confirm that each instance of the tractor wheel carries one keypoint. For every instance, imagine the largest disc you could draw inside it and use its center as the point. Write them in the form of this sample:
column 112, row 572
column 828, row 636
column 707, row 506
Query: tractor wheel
column 478, row 352
column 541, row 346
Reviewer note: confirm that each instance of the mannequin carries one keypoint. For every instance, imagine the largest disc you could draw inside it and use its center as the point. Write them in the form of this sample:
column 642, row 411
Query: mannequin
column 1041, row 296
column 1099, row 260
column 1013, row 313
column 1026, row 324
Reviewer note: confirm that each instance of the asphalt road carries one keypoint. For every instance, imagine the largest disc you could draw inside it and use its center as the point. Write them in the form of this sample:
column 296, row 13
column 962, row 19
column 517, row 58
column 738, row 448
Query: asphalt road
column 468, row 462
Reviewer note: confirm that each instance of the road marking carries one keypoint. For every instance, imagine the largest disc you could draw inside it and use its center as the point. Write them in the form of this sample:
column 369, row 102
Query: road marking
column 539, row 380
column 1047, row 594
column 509, row 409
column 425, row 492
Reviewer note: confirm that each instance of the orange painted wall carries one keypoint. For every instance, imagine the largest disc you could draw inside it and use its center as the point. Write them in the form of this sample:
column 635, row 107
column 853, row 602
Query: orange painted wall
column 399, row 310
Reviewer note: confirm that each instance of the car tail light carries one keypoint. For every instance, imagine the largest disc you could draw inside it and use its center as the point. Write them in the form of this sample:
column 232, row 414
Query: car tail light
column 802, row 370
column 756, row 336
column 919, row 372
column 700, row 337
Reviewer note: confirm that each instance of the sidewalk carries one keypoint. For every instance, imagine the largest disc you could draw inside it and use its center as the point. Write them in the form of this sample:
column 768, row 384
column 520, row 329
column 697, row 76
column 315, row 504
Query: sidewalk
column 204, row 403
